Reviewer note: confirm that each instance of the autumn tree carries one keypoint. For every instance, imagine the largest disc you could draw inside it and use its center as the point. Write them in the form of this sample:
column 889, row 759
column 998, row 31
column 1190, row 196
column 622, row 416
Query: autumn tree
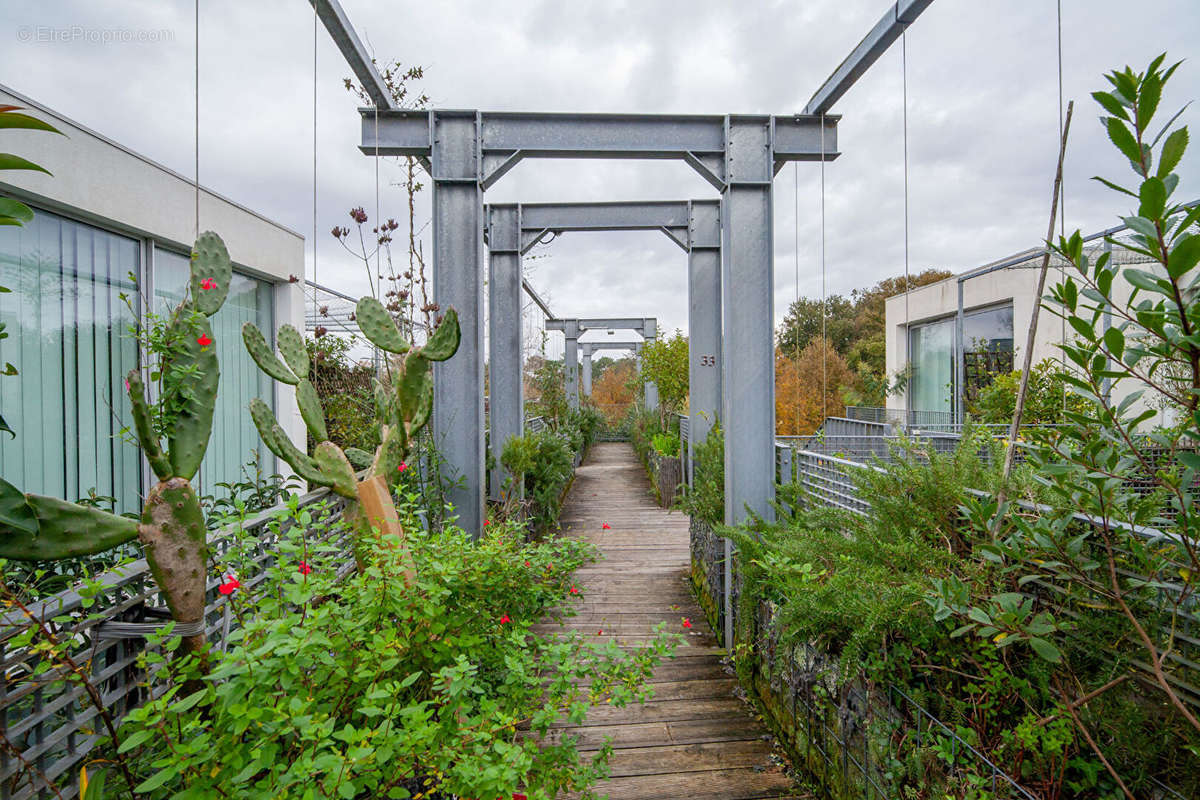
column 854, row 327
column 613, row 391
column 809, row 387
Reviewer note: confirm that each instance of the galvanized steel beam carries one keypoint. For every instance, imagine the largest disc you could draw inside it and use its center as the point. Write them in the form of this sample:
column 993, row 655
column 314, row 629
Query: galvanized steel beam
column 747, row 308
column 889, row 28
column 506, row 138
column 505, row 372
column 704, row 321
column 457, row 282
column 342, row 32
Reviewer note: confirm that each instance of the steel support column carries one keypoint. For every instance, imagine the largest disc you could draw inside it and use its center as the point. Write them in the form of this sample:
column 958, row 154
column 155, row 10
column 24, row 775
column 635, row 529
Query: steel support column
column 747, row 311
column 649, row 334
column 507, row 402
column 571, row 364
column 587, row 370
column 457, row 282
column 704, row 321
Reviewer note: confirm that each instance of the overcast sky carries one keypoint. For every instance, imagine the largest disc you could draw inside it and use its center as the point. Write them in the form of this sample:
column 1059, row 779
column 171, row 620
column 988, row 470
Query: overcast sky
column 983, row 112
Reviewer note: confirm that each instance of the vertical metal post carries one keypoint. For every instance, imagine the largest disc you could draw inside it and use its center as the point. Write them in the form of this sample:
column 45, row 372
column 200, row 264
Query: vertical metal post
column 959, row 359
column 704, row 323
column 587, row 370
column 747, row 311
column 457, row 281
column 504, row 327
column 649, row 334
column 1107, row 383
column 571, row 364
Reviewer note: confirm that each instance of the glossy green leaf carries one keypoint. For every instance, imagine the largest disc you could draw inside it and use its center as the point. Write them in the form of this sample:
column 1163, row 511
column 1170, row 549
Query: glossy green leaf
column 1153, row 196
column 1123, row 139
column 1172, row 151
column 1184, row 256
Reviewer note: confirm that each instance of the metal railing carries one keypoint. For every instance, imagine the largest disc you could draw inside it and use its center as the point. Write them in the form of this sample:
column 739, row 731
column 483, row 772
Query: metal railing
column 47, row 717
column 829, row 726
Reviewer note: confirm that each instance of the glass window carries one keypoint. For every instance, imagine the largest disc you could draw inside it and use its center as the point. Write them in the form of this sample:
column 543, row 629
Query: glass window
column 987, row 347
column 932, row 363
column 235, row 441
column 69, row 338
column 987, row 350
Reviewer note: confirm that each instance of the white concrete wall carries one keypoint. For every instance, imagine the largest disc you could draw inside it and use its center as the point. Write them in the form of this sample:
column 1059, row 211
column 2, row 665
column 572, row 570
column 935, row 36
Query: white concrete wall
column 98, row 181
column 1018, row 286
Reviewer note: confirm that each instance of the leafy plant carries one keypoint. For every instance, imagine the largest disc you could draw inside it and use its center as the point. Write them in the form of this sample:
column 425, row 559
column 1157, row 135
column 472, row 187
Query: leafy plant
column 363, row 687
column 666, row 444
column 665, row 363
column 542, row 463
column 1048, row 396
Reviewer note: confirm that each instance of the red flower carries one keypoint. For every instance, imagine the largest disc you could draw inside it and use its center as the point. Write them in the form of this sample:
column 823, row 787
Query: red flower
column 574, row 590
column 487, row 522
column 208, row 283
column 505, row 620
column 304, row 568
column 229, row 585
column 519, row 796
column 600, row 633
column 687, row 623
column 204, row 341
column 606, row 526
column 527, row 564
column 403, row 466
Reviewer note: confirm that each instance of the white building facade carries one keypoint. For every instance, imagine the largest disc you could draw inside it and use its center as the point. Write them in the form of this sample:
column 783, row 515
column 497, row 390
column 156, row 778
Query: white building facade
column 997, row 302
column 110, row 222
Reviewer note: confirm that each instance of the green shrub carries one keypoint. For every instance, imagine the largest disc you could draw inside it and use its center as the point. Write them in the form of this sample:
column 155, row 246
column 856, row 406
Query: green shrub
column 666, row 444
column 705, row 498
column 365, row 687
column 543, row 463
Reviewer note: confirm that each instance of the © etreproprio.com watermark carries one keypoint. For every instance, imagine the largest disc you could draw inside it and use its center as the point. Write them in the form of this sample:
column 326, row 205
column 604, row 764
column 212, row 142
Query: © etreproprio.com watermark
column 82, row 33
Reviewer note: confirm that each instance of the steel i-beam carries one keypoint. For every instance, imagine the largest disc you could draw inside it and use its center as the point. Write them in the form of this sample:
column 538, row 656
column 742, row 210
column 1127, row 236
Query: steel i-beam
column 506, row 370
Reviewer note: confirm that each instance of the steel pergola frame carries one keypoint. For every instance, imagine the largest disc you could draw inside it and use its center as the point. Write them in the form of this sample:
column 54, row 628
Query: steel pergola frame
column 693, row 225
column 467, row 151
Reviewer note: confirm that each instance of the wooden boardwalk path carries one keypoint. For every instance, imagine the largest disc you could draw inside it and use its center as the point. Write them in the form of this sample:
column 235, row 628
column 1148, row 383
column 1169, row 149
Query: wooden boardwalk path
column 695, row 738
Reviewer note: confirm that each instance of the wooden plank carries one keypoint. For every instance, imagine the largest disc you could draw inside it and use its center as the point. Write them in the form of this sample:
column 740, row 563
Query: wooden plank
column 696, row 738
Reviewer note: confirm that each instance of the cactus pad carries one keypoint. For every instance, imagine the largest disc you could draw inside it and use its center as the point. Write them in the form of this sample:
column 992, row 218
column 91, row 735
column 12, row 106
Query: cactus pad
column 212, row 273
column 333, row 464
column 444, row 341
column 377, row 325
column 412, row 384
column 260, row 351
column 310, row 410
column 359, row 459
column 187, row 438
column 37, row 528
column 277, row 442
column 291, row 346
column 385, row 408
column 146, row 436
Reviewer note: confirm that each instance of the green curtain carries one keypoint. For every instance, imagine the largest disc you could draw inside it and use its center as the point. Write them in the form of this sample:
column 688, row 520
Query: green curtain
column 235, row 446
column 69, row 337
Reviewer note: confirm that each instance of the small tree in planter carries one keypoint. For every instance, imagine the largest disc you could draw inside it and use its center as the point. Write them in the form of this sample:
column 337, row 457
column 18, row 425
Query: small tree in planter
column 1133, row 566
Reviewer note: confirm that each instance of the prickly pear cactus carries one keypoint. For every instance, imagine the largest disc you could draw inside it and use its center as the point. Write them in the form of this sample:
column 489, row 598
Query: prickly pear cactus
column 172, row 526
column 401, row 411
